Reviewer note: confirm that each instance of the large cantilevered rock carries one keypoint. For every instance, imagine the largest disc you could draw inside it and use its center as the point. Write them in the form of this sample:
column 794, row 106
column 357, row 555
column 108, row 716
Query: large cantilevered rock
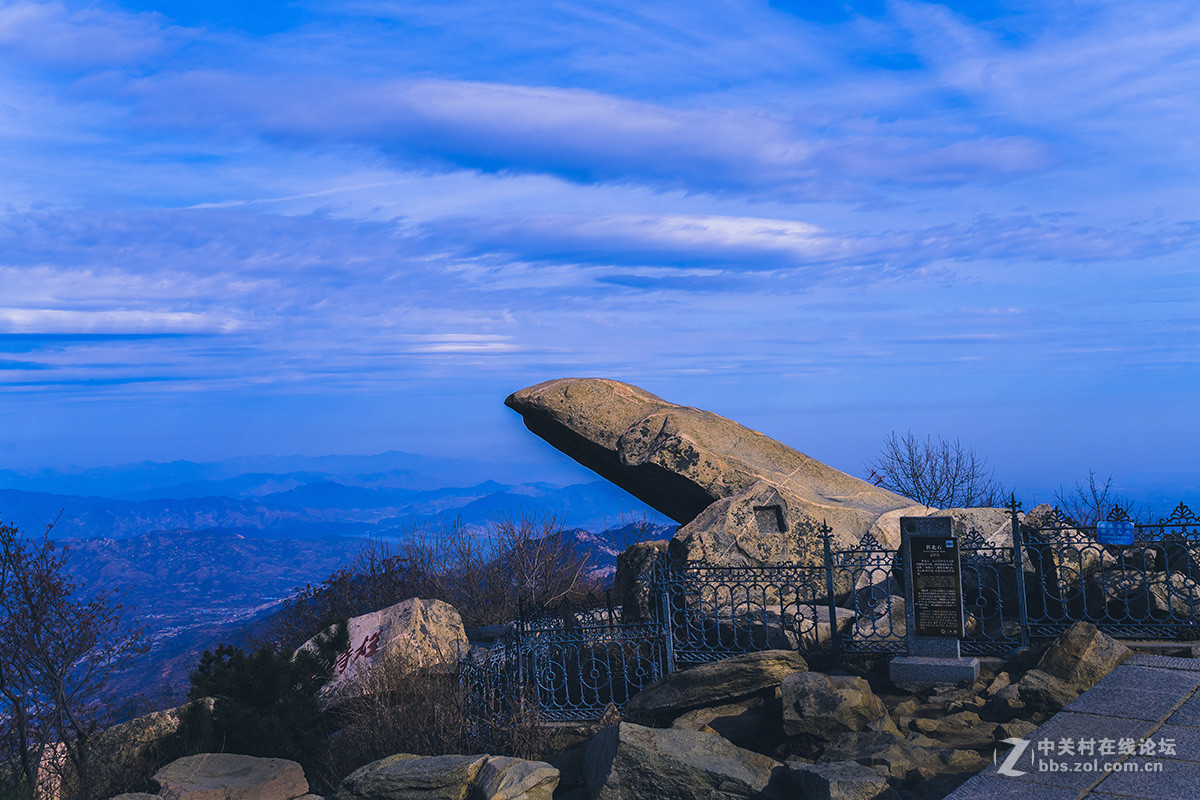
column 742, row 497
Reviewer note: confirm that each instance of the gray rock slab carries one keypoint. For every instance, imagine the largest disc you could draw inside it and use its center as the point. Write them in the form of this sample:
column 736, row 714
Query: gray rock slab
column 930, row 671
column 1187, row 742
column 504, row 778
column 1148, row 679
column 998, row 787
column 840, row 780
column 713, row 684
column 409, row 777
column 1164, row 662
column 1188, row 713
column 1128, row 703
column 1177, row 780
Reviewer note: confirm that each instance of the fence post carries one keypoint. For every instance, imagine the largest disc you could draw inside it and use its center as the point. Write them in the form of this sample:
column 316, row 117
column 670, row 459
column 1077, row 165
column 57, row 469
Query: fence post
column 1019, row 556
column 834, row 635
column 660, row 573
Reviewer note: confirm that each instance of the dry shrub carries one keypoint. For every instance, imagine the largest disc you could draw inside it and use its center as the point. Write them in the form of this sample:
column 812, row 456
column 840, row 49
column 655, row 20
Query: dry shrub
column 513, row 563
column 398, row 708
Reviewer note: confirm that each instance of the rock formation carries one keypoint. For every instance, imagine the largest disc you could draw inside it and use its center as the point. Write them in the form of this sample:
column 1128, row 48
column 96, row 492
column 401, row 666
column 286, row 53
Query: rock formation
column 450, row 777
column 419, row 633
column 743, row 498
column 226, row 776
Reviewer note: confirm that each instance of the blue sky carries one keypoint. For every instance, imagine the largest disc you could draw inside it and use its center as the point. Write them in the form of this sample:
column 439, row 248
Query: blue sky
column 353, row 227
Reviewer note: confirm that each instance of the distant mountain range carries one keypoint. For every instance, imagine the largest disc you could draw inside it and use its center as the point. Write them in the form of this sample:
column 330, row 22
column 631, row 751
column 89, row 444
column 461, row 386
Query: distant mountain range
column 381, row 495
column 200, row 552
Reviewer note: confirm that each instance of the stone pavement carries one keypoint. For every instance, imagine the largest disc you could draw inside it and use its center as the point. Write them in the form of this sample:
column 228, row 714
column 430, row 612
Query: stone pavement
column 1135, row 734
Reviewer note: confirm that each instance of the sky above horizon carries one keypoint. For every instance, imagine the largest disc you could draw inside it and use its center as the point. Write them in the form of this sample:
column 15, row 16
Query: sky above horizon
column 235, row 229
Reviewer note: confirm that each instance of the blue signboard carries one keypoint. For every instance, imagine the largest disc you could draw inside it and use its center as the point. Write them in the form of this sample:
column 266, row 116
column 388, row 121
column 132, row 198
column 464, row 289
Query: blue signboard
column 1114, row 532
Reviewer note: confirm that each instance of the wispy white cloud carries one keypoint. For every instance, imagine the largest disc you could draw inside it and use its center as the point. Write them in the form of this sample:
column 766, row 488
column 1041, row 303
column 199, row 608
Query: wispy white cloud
column 582, row 135
column 59, row 320
column 51, row 34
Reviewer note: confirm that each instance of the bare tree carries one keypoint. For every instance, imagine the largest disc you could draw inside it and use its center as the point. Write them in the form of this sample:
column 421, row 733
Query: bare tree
column 489, row 573
column 941, row 473
column 1088, row 505
column 56, row 653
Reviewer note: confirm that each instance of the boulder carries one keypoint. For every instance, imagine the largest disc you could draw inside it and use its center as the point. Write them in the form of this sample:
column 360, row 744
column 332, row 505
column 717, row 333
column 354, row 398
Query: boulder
column 963, row 730
column 409, row 777
column 887, row 621
column 630, row 762
column 118, row 749
column 902, row 759
column 1176, row 594
column 226, row 776
column 839, row 780
column 826, row 706
column 742, row 497
column 747, row 723
column 714, row 684
column 803, row 626
column 1073, row 554
column 504, row 778
column 1120, row 585
column 418, row 633
column 635, row 569
column 1040, row 691
column 1082, row 655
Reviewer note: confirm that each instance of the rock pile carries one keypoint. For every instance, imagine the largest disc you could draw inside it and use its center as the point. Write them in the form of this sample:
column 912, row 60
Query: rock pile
column 763, row 725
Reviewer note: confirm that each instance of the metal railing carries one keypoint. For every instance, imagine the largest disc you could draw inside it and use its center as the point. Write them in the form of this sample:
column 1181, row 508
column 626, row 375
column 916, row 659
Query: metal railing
column 1149, row 589
column 1032, row 582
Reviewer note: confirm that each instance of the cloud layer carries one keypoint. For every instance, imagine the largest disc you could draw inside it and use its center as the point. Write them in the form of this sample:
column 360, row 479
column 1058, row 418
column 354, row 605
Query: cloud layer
column 331, row 216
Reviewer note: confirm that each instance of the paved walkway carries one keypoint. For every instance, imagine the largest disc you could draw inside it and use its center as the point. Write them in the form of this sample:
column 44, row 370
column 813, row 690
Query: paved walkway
column 1141, row 721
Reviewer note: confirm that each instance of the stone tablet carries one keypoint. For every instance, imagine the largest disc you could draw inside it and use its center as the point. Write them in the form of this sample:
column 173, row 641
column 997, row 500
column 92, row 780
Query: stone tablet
column 937, row 586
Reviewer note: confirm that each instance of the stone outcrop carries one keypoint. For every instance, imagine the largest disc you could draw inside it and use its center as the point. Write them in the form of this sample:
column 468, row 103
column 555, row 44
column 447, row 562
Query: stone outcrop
column 748, row 723
column 840, row 780
column 630, row 762
column 826, row 706
column 504, row 778
column 418, row 633
column 631, row 583
column 1082, row 655
column 715, row 684
column 742, row 497
column 1175, row 593
column 450, row 777
column 226, row 776
column 1073, row 554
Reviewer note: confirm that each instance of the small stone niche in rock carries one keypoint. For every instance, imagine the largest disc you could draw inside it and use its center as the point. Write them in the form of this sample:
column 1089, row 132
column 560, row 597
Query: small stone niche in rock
column 770, row 519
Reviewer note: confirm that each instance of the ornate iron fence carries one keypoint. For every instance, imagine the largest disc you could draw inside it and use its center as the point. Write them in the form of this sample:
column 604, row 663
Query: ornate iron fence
column 1029, row 583
column 1149, row 589
column 576, row 661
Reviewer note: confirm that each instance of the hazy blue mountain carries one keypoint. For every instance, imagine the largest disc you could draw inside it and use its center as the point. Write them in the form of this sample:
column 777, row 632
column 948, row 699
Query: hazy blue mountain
column 320, row 508
column 241, row 476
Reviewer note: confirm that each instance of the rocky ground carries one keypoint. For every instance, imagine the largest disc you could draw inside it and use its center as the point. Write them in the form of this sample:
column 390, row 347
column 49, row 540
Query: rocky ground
column 761, row 725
